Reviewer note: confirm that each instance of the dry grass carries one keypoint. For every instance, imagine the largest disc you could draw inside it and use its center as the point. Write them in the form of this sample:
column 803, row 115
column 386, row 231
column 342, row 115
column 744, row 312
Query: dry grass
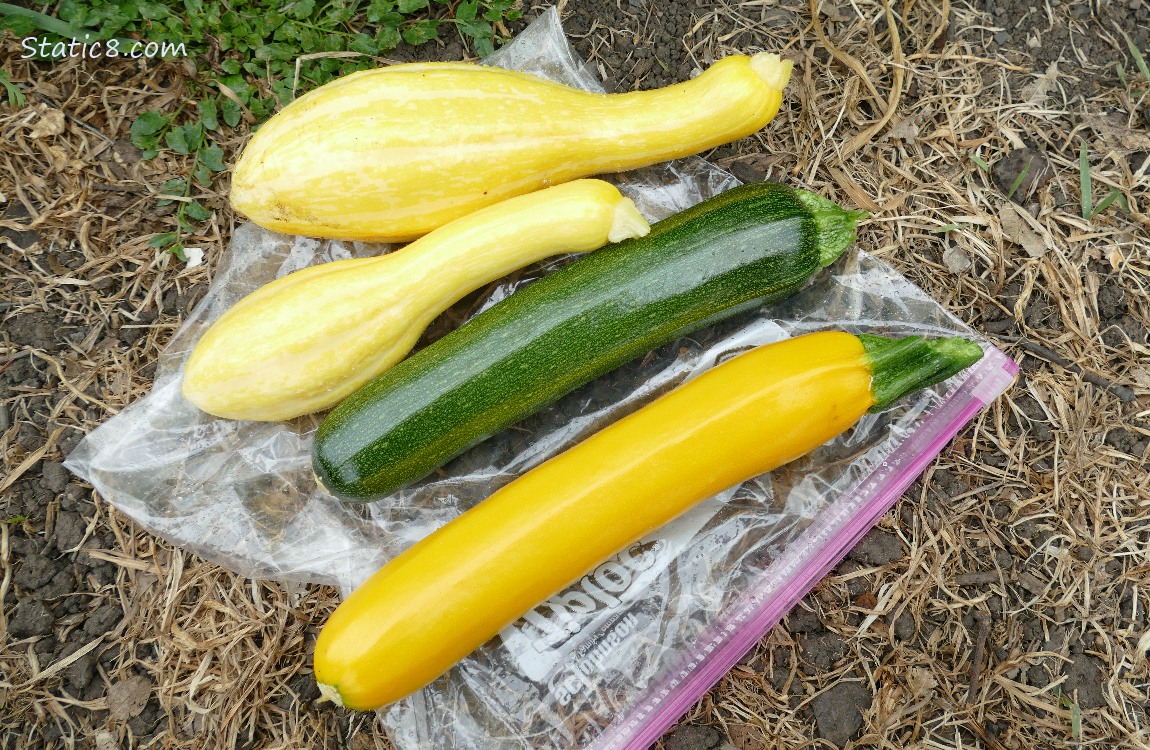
column 1026, row 542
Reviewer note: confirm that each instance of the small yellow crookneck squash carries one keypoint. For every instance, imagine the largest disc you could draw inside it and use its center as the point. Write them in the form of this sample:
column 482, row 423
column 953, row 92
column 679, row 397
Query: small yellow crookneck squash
column 305, row 341
column 392, row 153
column 449, row 593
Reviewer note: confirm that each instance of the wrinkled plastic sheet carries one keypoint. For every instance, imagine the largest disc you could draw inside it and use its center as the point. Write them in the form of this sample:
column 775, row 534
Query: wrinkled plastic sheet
column 616, row 657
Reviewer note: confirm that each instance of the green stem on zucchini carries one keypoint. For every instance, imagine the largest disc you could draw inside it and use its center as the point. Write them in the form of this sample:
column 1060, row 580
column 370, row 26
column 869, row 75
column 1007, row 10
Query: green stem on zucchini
column 836, row 225
column 901, row 366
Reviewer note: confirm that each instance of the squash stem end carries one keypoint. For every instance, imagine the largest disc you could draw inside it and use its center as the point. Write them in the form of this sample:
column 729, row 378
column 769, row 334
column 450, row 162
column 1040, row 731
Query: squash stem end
column 902, row 366
column 628, row 222
column 774, row 70
column 329, row 693
column 836, row 225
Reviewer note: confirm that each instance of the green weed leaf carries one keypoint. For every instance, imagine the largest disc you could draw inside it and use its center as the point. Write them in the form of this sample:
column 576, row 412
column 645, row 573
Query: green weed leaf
column 231, row 112
column 202, row 175
column 301, row 9
column 212, row 157
column 1084, row 181
column 466, row 10
column 209, row 113
column 388, row 37
column 185, row 139
column 196, row 212
column 476, row 29
column 150, row 123
column 1114, row 195
column 146, row 131
column 163, row 239
column 175, row 187
column 421, row 32
column 15, row 95
column 379, row 9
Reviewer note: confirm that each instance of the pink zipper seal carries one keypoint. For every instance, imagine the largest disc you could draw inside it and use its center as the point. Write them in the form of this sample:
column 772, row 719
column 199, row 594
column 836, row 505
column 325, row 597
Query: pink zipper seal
column 804, row 563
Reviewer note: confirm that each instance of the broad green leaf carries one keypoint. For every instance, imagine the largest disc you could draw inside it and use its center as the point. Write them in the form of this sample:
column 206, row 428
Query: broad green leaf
column 466, row 10
column 212, row 157
column 176, row 140
column 483, row 46
column 196, row 212
column 388, row 37
column 209, row 113
column 363, row 43
column 150, row 122
column 420, row 32
column 231, row 112
column 173, row 187
column 202, row 175
column 378, row 9
column 162, row 239
column 476, row 29
column 301, row 9
column 153, row 11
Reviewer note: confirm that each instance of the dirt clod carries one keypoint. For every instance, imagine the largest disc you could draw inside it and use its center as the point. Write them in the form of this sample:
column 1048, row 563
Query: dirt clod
column 822, row 650
column 36, row 571
column 31, row 618
column 877, row 548
column 1128, row 442
column 81, row 671
column 801, row 620
column 103, row 619
column 839, row 711
column 61, row 584
column 904, row 628
column 694, row 737
column 1084, row 680
column 54, row 476
column 70, row 527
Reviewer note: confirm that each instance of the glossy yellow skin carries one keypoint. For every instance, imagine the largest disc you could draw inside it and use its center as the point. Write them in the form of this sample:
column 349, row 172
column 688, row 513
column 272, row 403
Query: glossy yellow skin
column 308, row 340
column 392, row 153
column 460, row 586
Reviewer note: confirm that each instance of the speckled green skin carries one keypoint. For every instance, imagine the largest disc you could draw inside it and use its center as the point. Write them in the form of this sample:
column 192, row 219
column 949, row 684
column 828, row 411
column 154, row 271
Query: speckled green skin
column 755, row 243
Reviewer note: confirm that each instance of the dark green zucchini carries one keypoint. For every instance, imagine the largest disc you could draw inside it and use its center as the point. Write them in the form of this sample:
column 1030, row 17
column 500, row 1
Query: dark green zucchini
column 755, row 243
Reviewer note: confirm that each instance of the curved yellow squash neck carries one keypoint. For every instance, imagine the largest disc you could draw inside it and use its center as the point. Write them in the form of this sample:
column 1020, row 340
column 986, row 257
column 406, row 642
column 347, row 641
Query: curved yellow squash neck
column 390, row 154
column 308, row 340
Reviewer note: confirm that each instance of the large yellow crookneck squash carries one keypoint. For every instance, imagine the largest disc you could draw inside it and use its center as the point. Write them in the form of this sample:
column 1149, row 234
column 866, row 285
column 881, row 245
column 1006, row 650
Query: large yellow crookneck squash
column 457, row 588
column 306, row 341
column 392, row 153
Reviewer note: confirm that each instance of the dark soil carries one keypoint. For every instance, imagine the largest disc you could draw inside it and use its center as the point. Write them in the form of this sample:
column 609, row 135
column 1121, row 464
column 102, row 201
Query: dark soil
column 694, row 737
column 877, row 548
column 1083, row 38
column 839, row 711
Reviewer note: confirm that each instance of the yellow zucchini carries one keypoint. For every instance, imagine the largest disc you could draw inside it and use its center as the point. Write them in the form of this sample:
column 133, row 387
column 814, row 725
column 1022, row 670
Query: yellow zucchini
column 392, row 153
column 458, row 587
column 305, row 341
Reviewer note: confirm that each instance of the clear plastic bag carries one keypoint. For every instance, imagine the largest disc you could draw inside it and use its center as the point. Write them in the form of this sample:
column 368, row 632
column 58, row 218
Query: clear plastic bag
column 614, row 659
